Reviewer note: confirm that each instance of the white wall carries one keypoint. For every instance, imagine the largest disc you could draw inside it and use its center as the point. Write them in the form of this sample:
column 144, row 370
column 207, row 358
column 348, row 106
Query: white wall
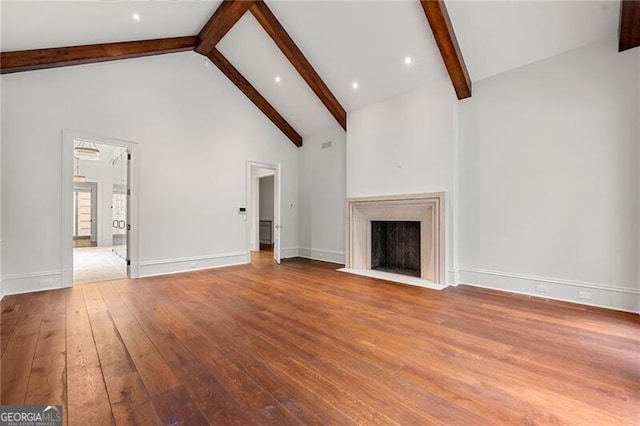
column 406, row 145
column 549, row 179
column 196, row 131
column 547, row 167
column 637, row 54
column 1, row 243
column 322, row 195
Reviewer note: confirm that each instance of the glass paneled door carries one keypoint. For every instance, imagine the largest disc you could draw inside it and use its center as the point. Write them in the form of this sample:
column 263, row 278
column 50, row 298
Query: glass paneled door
column 120, row 225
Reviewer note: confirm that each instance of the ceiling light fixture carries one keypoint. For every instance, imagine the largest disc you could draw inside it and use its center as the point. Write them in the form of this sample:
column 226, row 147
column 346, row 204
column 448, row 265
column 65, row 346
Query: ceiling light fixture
column 408, row 60
column 136, row 17
column 78, row 176
column 86, row 151
column 354, row 85
column 278, row 79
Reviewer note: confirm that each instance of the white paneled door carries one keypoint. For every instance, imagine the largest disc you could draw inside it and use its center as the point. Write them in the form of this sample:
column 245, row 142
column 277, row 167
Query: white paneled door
column 82, row 210
column 277, row 234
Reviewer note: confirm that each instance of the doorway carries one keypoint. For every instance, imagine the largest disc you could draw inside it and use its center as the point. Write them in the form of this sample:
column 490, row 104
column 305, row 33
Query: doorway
column 264, row 227
column 85, row 213
column 266, row 212
column 98, row 209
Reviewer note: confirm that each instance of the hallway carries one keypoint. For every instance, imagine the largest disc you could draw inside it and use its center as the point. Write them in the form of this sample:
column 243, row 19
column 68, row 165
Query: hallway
column 91, row 264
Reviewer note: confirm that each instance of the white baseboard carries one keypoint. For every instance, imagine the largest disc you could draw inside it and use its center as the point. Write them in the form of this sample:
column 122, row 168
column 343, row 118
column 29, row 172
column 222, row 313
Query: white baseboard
column 28, row 283
column 453, row 277
column 287, row 253
column 604, row 296
column 195, row 263
column 322, row 254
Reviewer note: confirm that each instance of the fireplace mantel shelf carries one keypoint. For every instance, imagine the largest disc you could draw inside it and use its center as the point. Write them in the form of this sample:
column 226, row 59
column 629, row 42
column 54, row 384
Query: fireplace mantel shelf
column 397, row 278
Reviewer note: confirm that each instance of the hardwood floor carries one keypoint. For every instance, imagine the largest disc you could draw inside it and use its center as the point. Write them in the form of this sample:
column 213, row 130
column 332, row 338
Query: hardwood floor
column 304, row 344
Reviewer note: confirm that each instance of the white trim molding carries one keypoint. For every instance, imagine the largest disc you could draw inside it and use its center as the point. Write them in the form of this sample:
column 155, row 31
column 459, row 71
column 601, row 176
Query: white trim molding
column 28, row 283
column 601, row 295
column 196, row 263
column 288, row 253
column 254, row 171
column 426, row 208
column 66, row 249
column 453, row 277
column 323, row 255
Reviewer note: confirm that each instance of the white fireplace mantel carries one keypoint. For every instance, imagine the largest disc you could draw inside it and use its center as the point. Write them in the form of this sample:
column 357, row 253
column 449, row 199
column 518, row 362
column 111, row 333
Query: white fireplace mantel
column 427, row 208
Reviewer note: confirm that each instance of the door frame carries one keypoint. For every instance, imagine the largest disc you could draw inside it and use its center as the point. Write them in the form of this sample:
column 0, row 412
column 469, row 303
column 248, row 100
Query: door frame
column 66, row 251
column 252, row 203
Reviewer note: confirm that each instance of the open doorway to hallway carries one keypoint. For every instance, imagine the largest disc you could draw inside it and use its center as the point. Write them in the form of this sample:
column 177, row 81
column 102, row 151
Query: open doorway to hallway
column 263, row 209
column 100, row 187
column 266, row 212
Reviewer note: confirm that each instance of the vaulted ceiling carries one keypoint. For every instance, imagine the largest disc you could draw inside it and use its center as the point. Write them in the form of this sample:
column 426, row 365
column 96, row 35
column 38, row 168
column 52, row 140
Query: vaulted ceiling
column 346, row 42
column 497, row 36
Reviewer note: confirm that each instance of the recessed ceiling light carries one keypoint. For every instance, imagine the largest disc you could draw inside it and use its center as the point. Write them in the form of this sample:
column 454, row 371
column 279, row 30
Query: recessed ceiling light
column 354, row 84
column 408, row 60
column 136, row 17
column 278, row 79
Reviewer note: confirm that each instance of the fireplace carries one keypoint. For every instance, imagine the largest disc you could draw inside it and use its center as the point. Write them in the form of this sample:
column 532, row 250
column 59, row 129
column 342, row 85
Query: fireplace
column 395, row 246
column 397, row 238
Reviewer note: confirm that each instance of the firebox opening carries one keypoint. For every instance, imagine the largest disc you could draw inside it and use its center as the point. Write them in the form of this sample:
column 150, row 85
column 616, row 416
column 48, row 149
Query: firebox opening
column 395, row 247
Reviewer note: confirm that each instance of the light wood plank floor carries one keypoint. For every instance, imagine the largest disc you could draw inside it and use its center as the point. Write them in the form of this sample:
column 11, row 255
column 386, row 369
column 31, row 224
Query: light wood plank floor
column 92, row 264
column 304, row 344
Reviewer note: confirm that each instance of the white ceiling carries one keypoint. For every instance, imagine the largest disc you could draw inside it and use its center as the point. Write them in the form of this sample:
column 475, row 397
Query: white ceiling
column 42, row 24
column 497, row 36
column 364, row 41
column 107, row 153
column 345, row 41
column 246, row 46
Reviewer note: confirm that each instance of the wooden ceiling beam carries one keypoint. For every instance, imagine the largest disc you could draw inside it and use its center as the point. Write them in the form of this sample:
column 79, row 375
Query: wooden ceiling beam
column 629, row 25
column 276, row 31
column 245, row 87
column 438, row 18
column 223, row 19
column 28, row 60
